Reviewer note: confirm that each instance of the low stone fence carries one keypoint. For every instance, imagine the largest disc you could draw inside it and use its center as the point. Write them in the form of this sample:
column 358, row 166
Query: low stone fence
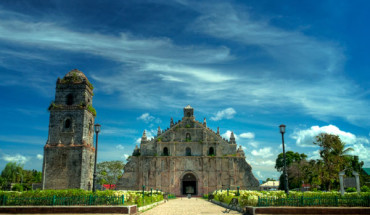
column 132, row 209
column 306, row 210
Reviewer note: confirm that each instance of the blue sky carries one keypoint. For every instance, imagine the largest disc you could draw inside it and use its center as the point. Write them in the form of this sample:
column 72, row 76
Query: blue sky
column 247, row 66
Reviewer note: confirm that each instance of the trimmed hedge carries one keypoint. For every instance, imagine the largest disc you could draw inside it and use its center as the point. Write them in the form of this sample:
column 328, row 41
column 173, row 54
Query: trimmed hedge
column 250, row 198
column 131, row 197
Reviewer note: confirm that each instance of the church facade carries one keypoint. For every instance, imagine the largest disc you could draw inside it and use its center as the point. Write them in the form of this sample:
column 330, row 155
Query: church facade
column 187, row 158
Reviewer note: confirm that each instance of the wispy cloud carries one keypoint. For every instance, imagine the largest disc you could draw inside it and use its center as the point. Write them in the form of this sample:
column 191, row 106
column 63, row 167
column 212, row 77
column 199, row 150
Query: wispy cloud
column 247, row 135
column 263, row 152
column 18, row 158
column 24, row 139
column 39, row 156
column 227, row 113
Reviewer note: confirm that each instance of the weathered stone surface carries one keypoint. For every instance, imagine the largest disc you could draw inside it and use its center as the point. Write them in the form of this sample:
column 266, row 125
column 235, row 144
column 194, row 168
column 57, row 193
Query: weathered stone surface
column 214, row 162
column 69, row 153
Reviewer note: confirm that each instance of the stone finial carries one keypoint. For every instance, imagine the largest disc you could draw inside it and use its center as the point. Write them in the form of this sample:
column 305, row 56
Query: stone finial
column 205, row 122
column 136, row 147
column 59, row 142
column 143, row 138
column 72, row 141
column 232, row 138
column 171, row 123
column 240, row 151
column 159, row 132
column 218, row 130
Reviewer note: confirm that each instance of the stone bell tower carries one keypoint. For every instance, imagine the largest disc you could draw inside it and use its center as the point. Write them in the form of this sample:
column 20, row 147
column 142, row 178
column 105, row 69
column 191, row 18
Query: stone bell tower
column 69, row 152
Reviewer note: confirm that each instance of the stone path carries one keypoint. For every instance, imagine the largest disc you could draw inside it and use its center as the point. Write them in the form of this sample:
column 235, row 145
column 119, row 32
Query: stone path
column 185, row 206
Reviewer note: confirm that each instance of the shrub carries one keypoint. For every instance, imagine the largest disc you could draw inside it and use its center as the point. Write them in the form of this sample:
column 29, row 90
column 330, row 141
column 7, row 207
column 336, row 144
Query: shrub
column 351, row 189
column 91, row 109
column 365, row 189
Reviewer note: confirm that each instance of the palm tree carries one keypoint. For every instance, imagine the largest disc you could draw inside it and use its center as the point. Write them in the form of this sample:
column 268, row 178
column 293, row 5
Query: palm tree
column 332, row 152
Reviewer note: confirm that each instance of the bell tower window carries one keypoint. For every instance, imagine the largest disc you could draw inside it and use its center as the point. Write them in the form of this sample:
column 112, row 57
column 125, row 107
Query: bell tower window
column 70, row 99
column 67, row 124
column 211, row 151
column 165, row 151
column 188, row 137
column 188, row 151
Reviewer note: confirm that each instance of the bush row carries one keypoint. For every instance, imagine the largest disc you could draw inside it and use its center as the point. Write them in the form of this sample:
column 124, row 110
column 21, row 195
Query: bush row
column 131, row 197
column 250, row 198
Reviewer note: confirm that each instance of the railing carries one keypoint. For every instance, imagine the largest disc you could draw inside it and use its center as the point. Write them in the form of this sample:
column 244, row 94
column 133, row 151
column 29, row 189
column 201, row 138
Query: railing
column 54, row 200
column 335, row 201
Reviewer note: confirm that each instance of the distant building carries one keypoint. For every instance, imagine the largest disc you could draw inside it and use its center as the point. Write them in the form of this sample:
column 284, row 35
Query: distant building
column 69, row 152
column 188, row 158
column 270, row 185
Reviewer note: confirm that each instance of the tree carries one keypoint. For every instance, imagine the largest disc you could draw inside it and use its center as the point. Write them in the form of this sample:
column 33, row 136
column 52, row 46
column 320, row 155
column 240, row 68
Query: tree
column 12, row 172
column 290, row 158
column 109, row 171
column 333, row 154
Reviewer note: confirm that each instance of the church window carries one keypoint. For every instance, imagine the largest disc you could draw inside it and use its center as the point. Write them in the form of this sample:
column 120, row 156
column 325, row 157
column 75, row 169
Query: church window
column 70, row 99
column 67, row 123
column 188, row 137
column 211, row 151
column 189, row 114
column 188, row 151
column 165, row 151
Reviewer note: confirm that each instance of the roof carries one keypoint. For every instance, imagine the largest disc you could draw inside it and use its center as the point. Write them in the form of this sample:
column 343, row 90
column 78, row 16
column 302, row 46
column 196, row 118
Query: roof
column 367, row 171
column 270, row 184
column 75, row 73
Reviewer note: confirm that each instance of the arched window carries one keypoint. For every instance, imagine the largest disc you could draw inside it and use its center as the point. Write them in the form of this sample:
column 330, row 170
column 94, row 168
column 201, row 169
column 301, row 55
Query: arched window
column 188, row 151
column 67, row 123
column 165, row 151
column 189, row 114
column 188, row 137
column 211, row 151
column 70, row 99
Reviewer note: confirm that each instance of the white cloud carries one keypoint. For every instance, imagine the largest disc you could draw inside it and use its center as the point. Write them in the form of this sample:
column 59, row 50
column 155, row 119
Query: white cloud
column 306, row 137
column 314, row 155
column 146, row 117
column 39, row 156
column 126, row 156
column 227, row 113
column 254, row 144
column 259, row 175
column 120, row 147
column 247, row 135
column 268, row 162
column 263, row 152
column 227, row 135
column 16, row 158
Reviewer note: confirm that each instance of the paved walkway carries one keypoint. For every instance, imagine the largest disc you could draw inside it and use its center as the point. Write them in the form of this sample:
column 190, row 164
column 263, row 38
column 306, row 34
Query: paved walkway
column 185, row 206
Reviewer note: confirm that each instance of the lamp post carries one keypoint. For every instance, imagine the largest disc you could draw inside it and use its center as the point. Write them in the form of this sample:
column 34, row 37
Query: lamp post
column 282, row 131
column 97, row 130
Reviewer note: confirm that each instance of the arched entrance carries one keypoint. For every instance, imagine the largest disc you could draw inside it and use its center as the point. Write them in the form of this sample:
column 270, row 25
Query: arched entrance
column 189, row 184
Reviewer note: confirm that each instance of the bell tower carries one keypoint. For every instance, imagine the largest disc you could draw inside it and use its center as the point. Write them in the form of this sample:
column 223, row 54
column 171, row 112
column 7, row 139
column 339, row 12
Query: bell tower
column 69, row 152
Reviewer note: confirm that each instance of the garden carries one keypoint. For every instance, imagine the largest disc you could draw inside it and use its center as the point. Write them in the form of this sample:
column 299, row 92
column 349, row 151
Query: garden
column 295, row 198
column 79, row 197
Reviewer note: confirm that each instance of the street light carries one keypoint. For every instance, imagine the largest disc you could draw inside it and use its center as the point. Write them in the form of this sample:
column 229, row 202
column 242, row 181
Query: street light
column 282, row 131
column 97, row 130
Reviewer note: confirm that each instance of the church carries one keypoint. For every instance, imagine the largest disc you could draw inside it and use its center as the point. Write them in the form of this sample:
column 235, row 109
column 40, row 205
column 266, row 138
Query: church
column 187, row 158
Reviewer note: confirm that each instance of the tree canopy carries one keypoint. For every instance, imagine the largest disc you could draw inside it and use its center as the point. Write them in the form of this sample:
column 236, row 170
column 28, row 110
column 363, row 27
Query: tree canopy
column 322, row 173
column 110, row 171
